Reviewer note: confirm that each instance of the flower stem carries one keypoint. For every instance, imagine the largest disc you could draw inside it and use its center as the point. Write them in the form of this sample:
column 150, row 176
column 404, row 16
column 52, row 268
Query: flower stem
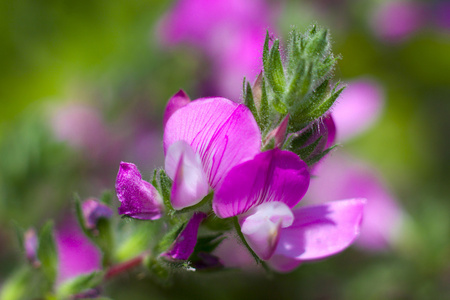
column 125, row 266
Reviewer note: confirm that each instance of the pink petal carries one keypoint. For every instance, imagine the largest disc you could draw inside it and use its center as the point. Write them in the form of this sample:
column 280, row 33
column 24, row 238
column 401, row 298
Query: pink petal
column 223, row 133
column 274, row 175
column 261, row 226
column 320, row 231
column 76, row 253
column 357, row 108
column 139, row 198
column 177, row 101
column 185, row 243
column 183, row 165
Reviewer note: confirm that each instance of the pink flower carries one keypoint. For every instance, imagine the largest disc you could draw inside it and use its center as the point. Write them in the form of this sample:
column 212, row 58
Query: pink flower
column 358, row 107
column 396, row 20
column 342, row 177
column 203, row 140
column 230, row 32
column 76, row 254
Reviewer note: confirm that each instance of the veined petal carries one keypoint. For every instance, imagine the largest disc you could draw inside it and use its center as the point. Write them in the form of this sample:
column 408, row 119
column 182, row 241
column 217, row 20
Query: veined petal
column 261, row 226
column 330, row 127
column 185, row 243
column 318, row 232
column 140, row 199
column 222, row 132
column 183, row 165
column 177, row 101
column 274, row 175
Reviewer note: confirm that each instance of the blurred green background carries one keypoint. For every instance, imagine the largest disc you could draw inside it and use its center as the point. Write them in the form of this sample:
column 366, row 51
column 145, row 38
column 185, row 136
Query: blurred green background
column 106, row 54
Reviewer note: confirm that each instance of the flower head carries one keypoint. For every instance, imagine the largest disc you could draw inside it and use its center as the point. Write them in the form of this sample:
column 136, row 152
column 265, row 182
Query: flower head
column 93, row 211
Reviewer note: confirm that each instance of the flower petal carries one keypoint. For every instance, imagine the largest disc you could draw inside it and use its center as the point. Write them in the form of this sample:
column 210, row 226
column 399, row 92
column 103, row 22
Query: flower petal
column 274, row 175
column 222, row 132
column 140, row 199
column 185, row 243
column 177, row 101
column 261, row 226
column 319, row 231
column 183, row 165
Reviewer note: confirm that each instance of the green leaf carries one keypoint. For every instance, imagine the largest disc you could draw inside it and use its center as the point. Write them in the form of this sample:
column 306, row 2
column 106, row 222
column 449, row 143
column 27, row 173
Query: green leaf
column 79, row 284
column 250, row 103
column 47, row 253
column 299, row 140
column 318, row 45
column 16, row 286
column 166, row 187
column 326, row 105
column 205, row 205
column 106, row 197
column 264, row 109
column 80, row 216
column 305, row 152
column 265, row 52
column 318, row 157
column 275, row 72
column 169, row 238
column 20, row 235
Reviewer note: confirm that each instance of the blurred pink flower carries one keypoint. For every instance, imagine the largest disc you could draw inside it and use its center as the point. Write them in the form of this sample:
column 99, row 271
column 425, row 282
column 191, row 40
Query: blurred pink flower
column 230, row 32
column 82, row 127
column 394, row 21
column 76, row 253
column 342, row 177
column 357, row 108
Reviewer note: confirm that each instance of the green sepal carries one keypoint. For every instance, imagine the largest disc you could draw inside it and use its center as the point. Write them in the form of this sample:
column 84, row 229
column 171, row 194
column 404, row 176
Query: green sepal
column 106, row 197
column 208, row 243
column 214, row 223
column 305, row 152
column 79, row 284
column 250, row 102
column 168, row 239
column 205, row 205
column 47, row 253
column 80, row 216
column 298, row 140
column 318, row 157
column 264, row 110
column 266, row 52
column 274, row 71
column 166, row 187
column 318, row 45
column 326, row 105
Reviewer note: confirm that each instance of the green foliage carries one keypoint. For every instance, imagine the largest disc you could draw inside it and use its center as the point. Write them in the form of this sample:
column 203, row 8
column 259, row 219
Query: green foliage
column 47, row 253
column 79, row 284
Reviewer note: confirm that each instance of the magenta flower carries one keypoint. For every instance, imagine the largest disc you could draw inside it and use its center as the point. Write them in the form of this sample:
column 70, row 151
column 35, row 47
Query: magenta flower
column 93, row 211
column 230, row 32
column 347, row 178
column 394, row 21
column 359, row 107
column 262, row 192
column 185, row 243
column 76, row 254
column 139, row 198
column 203, row 140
